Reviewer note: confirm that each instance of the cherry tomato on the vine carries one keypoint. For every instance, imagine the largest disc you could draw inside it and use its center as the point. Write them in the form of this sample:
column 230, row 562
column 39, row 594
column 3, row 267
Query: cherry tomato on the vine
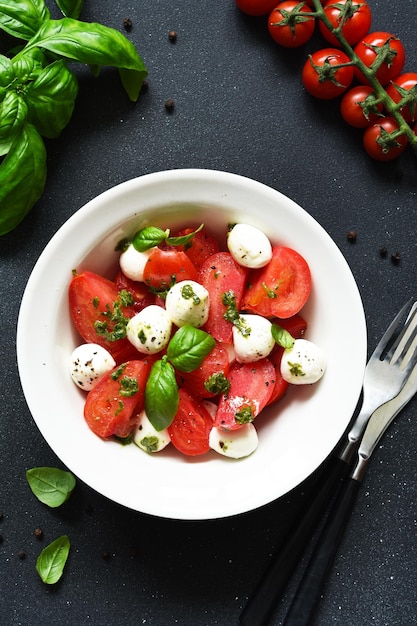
column 405, row 86
column 384, row 49
column 289, row 26
column 381, row 141
column 356, row 16
column 256, row 7
column 359, row 106
column 327, row 74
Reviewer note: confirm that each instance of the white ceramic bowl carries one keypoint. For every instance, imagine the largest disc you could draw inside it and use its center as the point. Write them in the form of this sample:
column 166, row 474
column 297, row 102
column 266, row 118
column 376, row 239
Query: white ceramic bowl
column 295, row 436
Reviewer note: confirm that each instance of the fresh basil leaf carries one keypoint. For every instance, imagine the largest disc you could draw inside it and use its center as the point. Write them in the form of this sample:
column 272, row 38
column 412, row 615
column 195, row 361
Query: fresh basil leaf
column 149, row 237
column 161, row 395
column 22, row 177
column 6, row 71
column 182, row 240
column 282, row 337
column 51, row 561
column 51, row 99
column 51, row 485
column 22, row 18
column 13, row 113
column 188, row 347
column 90, row 43
column 70, row 8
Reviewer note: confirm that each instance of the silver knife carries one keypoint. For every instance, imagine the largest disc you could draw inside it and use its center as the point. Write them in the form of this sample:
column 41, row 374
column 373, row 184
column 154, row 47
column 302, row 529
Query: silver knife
column 310, row 589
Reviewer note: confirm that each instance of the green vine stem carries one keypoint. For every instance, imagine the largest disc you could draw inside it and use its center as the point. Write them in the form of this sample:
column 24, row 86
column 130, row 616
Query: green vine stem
column 369, row 72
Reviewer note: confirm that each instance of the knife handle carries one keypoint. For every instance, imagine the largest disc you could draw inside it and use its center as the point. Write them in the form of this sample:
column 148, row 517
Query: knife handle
column 310, row 588
column 276, row 578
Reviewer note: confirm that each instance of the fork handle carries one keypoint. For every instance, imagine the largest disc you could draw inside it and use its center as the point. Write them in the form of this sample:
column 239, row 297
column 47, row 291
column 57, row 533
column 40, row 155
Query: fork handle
column 276, row 578
column 308, row 593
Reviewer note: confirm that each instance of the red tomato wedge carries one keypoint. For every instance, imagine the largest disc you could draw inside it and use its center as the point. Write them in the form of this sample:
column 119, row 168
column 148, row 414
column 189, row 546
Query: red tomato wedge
column 91, row 297
column 281, row 288
column 111, row 407
column 201, row 246
column 220, row 274
column 191, row 426
column 166, row 267
column 251, row 387
column 213, row 369
column 141, row 295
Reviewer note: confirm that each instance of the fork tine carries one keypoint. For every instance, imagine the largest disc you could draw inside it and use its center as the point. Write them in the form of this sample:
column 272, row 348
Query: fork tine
column 390, row 332
column 401, row 346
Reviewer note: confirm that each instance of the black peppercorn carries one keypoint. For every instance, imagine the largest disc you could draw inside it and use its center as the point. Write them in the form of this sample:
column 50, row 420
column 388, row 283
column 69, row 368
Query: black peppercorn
column 352, row 235
column 127, row 23
column 169, row 105
column 172, row 36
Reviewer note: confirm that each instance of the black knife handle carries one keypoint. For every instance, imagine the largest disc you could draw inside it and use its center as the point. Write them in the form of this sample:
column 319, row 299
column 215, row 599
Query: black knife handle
column 308, row 593
column 276, row 578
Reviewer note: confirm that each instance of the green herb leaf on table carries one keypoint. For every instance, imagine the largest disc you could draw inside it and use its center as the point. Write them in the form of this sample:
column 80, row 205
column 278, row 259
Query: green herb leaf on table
column 188, row 347
column 51, row 561
column 161, row 394
column 51, row 485
column 70, row 8
column 22, row 18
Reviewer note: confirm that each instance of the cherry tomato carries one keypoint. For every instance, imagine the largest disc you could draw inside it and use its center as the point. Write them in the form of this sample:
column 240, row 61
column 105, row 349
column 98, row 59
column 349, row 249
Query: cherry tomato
column 287, row 27
column 379, row 143
column 358, row 107
column 405, row 86
column 357, row 20
column 203, row 381
column 221, row 274
column 281, row 288
column 92, row 299
column 322, row 78
column 201, row 246
column 112, row 406
column 256, row 7
column 191, row 426
column 165, row 267
column 141, row 295
column 251, row 387
column 380, row 43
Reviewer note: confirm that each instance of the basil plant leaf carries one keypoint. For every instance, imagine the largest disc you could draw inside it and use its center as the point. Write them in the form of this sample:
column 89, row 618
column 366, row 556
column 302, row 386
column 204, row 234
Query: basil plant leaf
column 51, row 485
column 22, row 18
column 188, row 347
column 148, row 238
column 22, row 177
column 70, row 8
column 282, row 337
column 90, row 43
column 161, row 395
column 51, row 99
column 51, row 561
column 13, row 114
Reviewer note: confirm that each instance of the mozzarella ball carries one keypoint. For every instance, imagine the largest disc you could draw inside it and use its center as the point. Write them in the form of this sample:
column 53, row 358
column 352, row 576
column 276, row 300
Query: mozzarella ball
column 147, row 438
column 235, row 444
column 303, row 364
column 150, row 329
column 187, row 302
column 89, row 362
column 132, row 262
column 249, row 246
column 252, row 338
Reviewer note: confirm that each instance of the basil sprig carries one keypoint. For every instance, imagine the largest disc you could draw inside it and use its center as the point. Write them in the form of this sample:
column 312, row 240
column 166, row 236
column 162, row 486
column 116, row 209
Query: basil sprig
column 51, row 485
column 51, row 561
column 186, row 350
column 282, row 337
column 152, row 236
column 38, row 90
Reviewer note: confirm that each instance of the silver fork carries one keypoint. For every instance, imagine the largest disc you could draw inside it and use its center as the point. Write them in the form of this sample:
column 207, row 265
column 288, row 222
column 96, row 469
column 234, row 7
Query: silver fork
column 386, row 373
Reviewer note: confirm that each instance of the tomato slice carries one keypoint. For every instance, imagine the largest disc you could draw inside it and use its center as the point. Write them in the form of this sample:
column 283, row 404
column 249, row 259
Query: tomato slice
column 281, row 288
column 91, row 298
column 190, row 429
column 201, row 246
column 165, row 267
column 296, row 325
column 251, row 387
column 220, row 274
column 141, row 295
column 111, row 407
column 209, row 375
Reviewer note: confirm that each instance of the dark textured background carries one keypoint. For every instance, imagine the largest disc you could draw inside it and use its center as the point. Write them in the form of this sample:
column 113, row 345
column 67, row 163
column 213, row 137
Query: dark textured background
column 239, row 107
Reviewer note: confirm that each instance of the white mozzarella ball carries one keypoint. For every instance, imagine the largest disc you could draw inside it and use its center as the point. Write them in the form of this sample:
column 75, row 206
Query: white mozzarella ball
column 235, row 444
column 252, row 338
column 147, row 438
column 188, row 302
column 249, row 246
column 150, row 329
column 132, row 262
column 89, row 362
column 303, row 364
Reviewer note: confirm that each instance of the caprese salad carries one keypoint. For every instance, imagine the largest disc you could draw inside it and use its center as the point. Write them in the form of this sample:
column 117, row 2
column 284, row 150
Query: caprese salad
column 192, row 339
